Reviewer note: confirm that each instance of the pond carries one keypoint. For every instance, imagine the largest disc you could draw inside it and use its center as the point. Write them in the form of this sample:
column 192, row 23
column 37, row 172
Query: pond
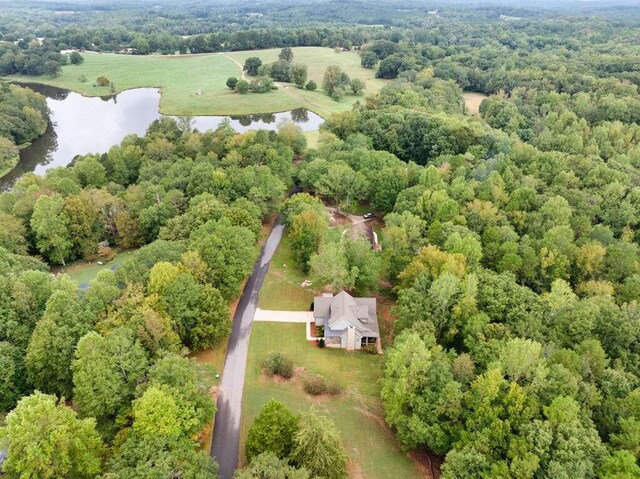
column 81, row 125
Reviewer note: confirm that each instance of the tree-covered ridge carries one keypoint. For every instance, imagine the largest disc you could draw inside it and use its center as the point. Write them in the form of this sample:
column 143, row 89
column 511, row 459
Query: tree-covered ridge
column 24, row 116
column 474, row 45
column 515, row 258
column 194, row 202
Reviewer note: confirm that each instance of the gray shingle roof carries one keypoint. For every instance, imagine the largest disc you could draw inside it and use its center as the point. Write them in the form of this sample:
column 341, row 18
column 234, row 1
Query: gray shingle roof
column 360, row 312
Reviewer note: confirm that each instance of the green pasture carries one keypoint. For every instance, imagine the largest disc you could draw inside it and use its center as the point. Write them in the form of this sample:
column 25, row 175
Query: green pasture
column 195, row 84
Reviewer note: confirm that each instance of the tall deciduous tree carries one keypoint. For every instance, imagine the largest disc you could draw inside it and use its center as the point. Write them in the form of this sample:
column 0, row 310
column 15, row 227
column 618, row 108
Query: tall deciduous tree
column 144, row 457
column 268, row 466
column 273, row 430
column 307, row 231
column 13, row 234
column 47, row 440
column 318, row 447
column 190, row 384
column 8, row 154
column 298, row 74
column 364, row 263
column 329, row 266
column 335, row 82
column 199, row 312
column 12, row 375
column 50, row 225
column 106, row 372
column 84, row 225
column 368, row 59
column 75, row 58
column 53, row 342
column 421, row 398
column 342, row 184
column 228, row 251
column 251, row 65
column 286, row 54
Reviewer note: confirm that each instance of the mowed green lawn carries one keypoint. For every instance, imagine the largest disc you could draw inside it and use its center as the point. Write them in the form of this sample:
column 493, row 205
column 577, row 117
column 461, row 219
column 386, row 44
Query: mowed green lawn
column 371, row 447
column 82, row 272
column 282, row 290
column 181, row 77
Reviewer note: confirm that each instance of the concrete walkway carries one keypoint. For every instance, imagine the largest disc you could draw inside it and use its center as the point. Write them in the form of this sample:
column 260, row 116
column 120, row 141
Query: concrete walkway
column 283, row 316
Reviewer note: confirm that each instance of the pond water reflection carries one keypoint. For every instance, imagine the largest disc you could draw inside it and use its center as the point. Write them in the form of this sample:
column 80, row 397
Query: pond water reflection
column 81, row 125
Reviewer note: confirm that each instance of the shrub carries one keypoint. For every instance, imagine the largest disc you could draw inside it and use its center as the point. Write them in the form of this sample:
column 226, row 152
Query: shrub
column 311, row 85
column 261, row 85
column 105, row 253
column 370, row 348
column 102, row 81
column 356, row 86
column 76, row 58
column 321, row 343
column 232, row 82
column 278, row 363
column 82, row 79
column 242, row 87
column 316, row 385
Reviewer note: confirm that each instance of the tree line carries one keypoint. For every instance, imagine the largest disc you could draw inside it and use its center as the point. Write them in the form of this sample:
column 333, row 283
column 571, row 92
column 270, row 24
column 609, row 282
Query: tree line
column 24, row 116
column 193, row 203
column 512, row 247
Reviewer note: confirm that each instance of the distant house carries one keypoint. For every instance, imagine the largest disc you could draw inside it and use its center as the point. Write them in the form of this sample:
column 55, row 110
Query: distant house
column 348, row 322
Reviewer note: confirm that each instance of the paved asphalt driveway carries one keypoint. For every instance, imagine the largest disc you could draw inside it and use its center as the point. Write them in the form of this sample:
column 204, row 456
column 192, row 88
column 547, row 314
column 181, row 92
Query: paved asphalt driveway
column 226, row 433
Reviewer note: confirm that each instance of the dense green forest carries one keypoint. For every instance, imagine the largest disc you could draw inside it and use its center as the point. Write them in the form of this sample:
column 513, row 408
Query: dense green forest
column 196, row 201
column 24, row 116
column 516, row 267
column 510, row 245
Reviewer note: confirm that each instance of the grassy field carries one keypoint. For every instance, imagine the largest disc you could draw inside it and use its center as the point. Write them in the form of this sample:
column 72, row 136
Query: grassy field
column 281, row 289
column 313, row 139
column 181, row 77
column 371, row 447
column 82, row 272
column 358, row 208
column 317, row 60
column 472, row 101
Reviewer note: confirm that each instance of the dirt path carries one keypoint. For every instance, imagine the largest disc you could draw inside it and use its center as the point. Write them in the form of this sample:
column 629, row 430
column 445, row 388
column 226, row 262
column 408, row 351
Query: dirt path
column 358, row 227
column 242, row 75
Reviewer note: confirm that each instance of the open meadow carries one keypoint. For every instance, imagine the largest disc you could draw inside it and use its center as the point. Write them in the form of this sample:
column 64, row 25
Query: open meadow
column 472, row 101
column 195, row 84
column 82, row 271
